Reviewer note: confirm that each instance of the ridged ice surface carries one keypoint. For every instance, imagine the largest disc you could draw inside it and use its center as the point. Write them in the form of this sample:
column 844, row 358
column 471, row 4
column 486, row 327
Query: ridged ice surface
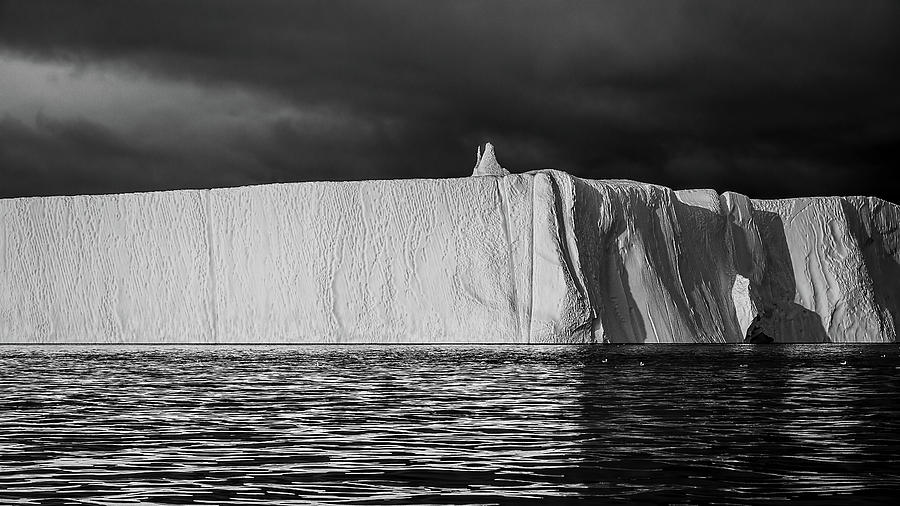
column 110, row 268
column 535, row 257
column 834, row 269
column 383, row 261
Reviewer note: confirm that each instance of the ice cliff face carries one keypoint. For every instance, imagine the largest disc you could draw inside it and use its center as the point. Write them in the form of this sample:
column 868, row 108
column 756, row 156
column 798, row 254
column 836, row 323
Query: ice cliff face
column 535, row 257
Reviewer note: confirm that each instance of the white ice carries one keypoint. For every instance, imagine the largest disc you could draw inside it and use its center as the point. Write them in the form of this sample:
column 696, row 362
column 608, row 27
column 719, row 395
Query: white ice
column 536, row 257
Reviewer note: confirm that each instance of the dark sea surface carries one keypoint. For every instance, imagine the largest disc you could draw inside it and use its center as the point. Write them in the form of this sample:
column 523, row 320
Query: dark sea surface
column 449, row 424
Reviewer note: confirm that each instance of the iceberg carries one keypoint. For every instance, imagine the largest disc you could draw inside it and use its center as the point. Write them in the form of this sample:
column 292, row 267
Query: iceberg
column 535, row 257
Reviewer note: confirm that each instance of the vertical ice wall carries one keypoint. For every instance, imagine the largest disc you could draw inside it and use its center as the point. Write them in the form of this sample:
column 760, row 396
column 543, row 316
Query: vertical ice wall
column 561, row 310
column 105, row 268
column 376, row 261
column 535, row 257
column 695, row 266
column 833, row 269
column 658, row 263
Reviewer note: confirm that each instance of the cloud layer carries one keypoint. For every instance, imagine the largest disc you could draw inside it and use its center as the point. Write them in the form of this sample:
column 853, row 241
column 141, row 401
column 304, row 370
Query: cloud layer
column 771, row 99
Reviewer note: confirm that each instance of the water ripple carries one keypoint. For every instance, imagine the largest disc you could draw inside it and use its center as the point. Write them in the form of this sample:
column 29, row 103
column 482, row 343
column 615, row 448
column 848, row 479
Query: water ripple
column 447, row 424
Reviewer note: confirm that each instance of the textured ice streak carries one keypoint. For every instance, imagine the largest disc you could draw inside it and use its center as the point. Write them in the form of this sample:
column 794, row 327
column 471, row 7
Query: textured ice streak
column 107, row 268
column 535, row 257
column 378, row 261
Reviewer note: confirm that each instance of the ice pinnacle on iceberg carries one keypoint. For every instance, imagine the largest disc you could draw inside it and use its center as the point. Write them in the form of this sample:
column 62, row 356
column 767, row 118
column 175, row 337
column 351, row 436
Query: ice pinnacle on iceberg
column 486, row 163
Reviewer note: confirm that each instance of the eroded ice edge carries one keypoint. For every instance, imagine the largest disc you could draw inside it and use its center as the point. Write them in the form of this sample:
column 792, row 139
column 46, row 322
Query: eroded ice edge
column 536, row 257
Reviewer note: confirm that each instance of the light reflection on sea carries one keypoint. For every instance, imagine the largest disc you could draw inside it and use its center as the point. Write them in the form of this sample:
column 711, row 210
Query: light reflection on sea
column 448, row 424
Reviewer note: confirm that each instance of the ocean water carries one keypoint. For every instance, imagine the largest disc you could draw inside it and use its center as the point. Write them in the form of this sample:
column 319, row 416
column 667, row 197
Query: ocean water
column 448, row 424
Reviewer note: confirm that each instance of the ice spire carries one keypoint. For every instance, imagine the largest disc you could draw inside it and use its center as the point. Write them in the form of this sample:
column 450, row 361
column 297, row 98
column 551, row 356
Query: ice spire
column 486, row 163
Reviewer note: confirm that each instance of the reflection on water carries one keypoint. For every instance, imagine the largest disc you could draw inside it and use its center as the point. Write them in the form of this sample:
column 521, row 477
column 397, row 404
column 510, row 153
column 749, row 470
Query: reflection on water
column 448, row 424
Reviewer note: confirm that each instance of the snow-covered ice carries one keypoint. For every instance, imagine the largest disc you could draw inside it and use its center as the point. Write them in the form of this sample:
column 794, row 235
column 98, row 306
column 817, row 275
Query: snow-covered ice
column 535, row 257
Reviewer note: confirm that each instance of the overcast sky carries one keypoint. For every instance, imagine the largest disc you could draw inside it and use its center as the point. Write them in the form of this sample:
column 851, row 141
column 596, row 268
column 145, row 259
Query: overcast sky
column 768, row 98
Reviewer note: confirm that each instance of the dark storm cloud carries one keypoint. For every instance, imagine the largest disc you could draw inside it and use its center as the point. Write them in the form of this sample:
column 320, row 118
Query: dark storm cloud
column 71, row 157
column 768, row 98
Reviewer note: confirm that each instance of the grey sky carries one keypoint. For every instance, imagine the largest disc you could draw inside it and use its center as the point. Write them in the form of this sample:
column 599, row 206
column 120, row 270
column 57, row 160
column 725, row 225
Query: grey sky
column 767, row 98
